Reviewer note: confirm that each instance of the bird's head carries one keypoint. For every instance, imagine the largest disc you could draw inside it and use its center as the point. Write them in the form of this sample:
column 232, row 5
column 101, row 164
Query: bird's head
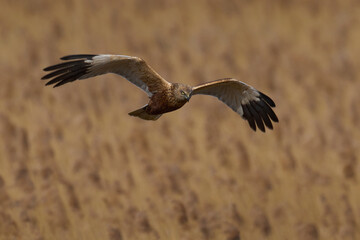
column 182, row 91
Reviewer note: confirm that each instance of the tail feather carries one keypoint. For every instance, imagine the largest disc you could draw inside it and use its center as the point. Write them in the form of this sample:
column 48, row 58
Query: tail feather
column 141, row 113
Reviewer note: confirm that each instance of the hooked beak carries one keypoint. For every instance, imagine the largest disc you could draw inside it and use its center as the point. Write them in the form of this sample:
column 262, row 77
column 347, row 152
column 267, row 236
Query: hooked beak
column 187, row 97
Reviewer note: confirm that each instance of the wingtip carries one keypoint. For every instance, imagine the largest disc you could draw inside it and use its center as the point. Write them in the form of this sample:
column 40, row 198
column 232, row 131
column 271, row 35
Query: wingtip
column 78, row 56
column 65, row 57
column 262, row 129
column 267, row 99
column 252, row 124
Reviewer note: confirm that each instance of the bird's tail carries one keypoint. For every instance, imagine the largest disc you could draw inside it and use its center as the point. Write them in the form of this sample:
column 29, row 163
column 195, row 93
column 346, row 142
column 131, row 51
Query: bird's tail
column 141, row 113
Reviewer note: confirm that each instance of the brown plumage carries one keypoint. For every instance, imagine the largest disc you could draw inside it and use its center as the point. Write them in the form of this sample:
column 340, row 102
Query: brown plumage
column 250, row 104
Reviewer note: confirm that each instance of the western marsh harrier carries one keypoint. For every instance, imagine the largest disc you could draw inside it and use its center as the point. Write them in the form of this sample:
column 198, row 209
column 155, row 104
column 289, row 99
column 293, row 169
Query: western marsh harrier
column 249, row 103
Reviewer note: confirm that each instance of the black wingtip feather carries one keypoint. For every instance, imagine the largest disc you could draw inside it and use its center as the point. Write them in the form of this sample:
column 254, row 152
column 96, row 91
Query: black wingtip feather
column 67, row 71
column 55, row 73
column 249, row 117
column 78, row 56
column 252, row 124
column 262, row 112
column 274, row 118
column 269, row 111
column 267, row 99
column 256, row 116
column 63, row 65
column 68, row 77
column 59, row 84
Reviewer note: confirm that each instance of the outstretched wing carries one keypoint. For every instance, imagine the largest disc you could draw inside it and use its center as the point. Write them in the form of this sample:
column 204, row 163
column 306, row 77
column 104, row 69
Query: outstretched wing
column 249, row 103
column 83, row 66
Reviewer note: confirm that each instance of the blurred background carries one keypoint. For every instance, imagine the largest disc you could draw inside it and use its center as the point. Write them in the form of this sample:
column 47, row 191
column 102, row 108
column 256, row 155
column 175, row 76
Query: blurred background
column 74, row 165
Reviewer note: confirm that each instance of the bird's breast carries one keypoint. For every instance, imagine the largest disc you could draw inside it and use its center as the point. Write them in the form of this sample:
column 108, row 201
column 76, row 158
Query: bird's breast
column 162, row 103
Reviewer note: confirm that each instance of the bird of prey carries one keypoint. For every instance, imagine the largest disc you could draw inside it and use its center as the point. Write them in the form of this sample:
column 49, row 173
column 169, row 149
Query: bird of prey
column 251, row 104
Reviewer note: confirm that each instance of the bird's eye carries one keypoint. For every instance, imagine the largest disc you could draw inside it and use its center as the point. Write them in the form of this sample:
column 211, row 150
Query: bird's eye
column 182, row 93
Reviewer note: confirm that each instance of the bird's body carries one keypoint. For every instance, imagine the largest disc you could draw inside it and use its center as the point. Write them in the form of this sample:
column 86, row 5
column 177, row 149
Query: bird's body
column 167, row 101
column 164, row 101
column 249, row 103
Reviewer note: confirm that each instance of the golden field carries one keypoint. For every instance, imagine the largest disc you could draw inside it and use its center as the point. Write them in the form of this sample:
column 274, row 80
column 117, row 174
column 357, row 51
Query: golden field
column 74, row 165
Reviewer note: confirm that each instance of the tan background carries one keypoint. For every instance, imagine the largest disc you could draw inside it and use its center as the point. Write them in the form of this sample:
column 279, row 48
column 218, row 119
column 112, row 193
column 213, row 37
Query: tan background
column 74, row 165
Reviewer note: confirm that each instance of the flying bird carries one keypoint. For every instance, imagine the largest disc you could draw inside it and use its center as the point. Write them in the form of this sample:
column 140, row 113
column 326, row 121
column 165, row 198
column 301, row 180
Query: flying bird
column 251, row 104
